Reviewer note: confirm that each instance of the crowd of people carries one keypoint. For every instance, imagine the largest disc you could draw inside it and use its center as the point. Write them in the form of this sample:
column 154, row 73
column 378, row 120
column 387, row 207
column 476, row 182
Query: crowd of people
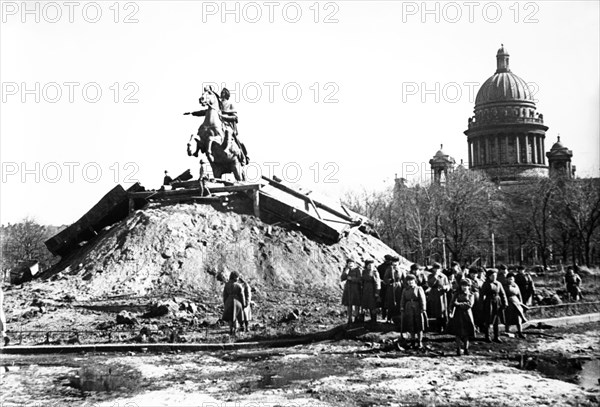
column 460, row 301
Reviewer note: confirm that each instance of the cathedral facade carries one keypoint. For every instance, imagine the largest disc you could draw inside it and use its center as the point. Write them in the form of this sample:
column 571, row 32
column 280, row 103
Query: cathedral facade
column 506, row 136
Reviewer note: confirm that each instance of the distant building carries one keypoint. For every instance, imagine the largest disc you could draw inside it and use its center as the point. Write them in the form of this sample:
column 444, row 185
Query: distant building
column 506, row 136
column 441, row 165
column 559, row 159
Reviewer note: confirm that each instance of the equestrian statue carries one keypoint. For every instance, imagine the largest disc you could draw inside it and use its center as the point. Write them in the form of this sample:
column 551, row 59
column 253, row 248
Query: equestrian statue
column 217, row 135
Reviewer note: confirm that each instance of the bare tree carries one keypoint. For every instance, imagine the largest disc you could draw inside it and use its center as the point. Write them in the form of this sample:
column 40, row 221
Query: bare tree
column 466, row 207
column 581, row 199
column 25, row 241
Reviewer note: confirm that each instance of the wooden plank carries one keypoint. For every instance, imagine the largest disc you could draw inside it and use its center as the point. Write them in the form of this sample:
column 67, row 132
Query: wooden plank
column 194, row 191
column 185, row 184
column 237, row 188
column 306, row 198
column 256, row 202
column 298, row 217
column 315, row 208
column 111, row 208
column 200, row 199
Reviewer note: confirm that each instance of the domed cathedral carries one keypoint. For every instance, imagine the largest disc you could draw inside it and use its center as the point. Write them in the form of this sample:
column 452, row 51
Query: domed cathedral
column 506, row 135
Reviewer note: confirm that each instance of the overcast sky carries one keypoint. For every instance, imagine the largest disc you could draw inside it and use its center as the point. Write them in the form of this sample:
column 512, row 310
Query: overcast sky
column 340, row 94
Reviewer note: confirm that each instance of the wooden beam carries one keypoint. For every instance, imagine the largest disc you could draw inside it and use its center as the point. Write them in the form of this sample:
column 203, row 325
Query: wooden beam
column 256, row 202
column 236, row 188
column 306, row 198
column 183, row 198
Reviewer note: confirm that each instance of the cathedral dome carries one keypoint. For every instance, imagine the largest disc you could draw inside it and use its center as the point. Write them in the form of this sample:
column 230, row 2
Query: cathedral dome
column 504, row 86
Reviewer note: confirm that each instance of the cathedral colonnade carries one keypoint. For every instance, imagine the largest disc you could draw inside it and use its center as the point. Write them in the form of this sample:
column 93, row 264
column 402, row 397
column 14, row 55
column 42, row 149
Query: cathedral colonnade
column 507, row 148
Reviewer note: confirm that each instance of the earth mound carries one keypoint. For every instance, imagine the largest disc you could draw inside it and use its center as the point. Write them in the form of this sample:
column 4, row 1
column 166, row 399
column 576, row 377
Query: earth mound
column 194, row 247
column 183, row 253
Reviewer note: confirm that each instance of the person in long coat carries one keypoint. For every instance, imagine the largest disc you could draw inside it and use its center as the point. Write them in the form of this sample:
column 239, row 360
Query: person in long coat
column 573, row 284
column 413, row 311
column 381, row 269
column 494, row 302
column 393, row 279
column 437, row 304
column 371, row 285
column 515, row 313
column 475, row 287
column 247, row 308
column 462, row 324
column 502, row 275
column 351, row 297
column 234, row 303
column 526, row 285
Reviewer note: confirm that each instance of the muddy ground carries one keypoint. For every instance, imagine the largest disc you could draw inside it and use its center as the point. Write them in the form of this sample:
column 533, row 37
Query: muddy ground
column 555, row 366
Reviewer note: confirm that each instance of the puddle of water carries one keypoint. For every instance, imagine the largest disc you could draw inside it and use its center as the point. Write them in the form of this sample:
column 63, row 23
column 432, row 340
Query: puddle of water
column 112, row 378
column 586, row 373
column 589, row 377
column 286, row 374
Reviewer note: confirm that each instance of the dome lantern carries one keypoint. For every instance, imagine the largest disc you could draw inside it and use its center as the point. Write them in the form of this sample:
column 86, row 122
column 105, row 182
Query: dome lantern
column 502, row 60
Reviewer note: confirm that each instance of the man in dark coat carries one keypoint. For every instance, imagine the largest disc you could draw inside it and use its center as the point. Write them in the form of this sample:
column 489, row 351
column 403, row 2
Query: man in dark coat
column 387, row 262
column 525, row 283
column 494, row 302
column 573, row 283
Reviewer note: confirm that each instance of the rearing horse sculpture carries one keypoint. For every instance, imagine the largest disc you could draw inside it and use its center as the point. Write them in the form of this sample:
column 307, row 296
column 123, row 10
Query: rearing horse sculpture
column 215, row 139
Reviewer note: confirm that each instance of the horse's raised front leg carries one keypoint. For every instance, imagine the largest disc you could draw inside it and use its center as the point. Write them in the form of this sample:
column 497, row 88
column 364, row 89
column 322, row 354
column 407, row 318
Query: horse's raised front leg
column 209, row 154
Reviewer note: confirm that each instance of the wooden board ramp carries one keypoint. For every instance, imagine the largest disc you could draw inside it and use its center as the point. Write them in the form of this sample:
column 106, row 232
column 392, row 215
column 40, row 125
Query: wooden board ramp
column 113, row 207
column 325, row 220
column 272, row 200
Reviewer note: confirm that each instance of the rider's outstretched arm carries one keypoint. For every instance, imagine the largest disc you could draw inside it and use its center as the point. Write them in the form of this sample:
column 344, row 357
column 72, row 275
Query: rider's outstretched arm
column 198, row 113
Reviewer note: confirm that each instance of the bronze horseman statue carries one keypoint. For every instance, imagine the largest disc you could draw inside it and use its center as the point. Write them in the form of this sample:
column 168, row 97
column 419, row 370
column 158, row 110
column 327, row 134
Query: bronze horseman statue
column 217, row 135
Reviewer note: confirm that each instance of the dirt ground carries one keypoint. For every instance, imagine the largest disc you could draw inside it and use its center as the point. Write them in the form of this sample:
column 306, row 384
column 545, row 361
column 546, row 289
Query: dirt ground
column 556, row 366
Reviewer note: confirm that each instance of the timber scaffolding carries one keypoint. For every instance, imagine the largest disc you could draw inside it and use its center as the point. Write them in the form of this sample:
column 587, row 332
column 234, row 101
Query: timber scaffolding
column 269, row 200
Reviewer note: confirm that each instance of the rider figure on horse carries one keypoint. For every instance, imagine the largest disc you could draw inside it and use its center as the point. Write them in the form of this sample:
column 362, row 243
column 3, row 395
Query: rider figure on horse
column 228, row 116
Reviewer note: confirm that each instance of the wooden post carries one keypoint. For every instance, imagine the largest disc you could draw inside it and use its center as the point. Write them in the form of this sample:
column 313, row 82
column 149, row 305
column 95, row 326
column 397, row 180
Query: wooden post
column 444, row 252
column 493, row 251
column 256, row 201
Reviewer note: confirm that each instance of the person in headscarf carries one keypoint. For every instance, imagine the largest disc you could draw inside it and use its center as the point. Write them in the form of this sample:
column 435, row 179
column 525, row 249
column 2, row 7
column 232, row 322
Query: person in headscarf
column 234, row 303
column 462, row 324
column 413, row 311
column 371, row 285
column 351, row 297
